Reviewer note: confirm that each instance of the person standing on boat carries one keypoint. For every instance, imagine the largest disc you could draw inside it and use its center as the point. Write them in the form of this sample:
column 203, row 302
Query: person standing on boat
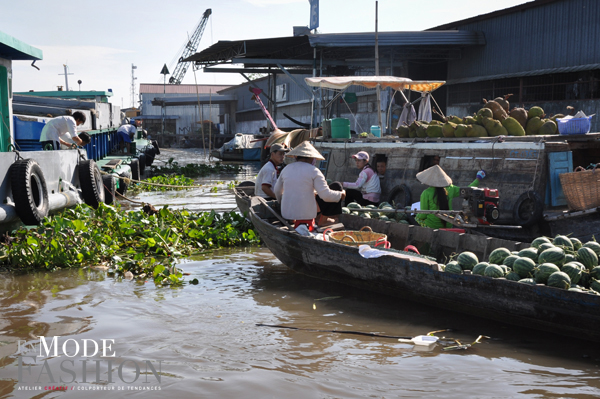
column 268, row 174
column 296, row 186
column 366, row 190
column 62, row 130
column 126, row 133
column 439, row 195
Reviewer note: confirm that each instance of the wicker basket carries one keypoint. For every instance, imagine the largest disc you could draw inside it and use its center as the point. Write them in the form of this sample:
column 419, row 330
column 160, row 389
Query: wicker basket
column 364, row 236
column 581, row 188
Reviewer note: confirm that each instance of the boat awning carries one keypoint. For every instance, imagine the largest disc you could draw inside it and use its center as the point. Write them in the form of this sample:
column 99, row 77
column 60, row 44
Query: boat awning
column 371, row 82
column 14, row 49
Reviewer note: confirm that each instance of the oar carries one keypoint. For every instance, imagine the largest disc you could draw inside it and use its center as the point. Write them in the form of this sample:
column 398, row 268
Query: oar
column 282, row 220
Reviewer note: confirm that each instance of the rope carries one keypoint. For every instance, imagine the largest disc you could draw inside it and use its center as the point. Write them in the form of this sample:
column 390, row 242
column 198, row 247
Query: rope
column 129, row 199
column 356, row 120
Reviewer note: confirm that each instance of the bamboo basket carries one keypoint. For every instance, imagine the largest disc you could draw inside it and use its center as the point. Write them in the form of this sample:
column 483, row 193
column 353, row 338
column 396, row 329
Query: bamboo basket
column 581, row 188
column 365, row 236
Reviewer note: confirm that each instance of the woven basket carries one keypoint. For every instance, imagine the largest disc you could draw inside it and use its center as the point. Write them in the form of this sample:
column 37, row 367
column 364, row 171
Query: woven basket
column 356, row 238
column 581, row 188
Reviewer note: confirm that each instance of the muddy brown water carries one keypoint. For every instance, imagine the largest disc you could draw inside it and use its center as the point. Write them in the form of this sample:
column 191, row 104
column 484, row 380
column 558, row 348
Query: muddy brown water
column 204, row 342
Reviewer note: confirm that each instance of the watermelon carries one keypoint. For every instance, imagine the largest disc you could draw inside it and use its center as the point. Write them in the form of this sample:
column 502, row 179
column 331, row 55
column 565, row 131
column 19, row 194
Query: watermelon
column 494, row 271
column 559, row 280
column 529, row 281
column 498, row 255
column 353, row 205
column 563, row 241
column 575, row 289
column 384, row 205
column 479, row 268
column 573, row 271
column 545, row 246
column 587, row 256
column 513, row 276
column 576, row 243
column 384, row 218
column 552, row 255
column 539, row 241
column 595, row 273
column 594, row 246
column 345, row 210
column 531, row 253
column 467, row 260
column 354, row 213
column 453, row 268
column 570, row 258
column 585, row 279
column 543, row 271
column 370, row 207
column 366, row 215
column 523, row 267
column 509, row 261
column 595, row 285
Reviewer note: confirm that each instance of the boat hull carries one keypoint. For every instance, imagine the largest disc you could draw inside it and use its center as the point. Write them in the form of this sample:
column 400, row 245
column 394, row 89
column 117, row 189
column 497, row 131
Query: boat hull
column 534, row 306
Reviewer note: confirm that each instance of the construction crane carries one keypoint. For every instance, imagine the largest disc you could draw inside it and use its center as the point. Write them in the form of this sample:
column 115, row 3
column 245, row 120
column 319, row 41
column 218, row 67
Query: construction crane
column 188, row 50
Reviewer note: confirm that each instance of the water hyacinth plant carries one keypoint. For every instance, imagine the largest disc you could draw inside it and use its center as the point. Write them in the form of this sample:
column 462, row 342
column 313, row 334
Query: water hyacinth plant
column 193, row 169
column 130, row 243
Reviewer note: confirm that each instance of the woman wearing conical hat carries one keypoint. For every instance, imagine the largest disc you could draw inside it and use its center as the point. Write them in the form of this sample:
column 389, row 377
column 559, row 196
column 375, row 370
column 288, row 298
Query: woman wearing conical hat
column 296, row 186
column 439, row 195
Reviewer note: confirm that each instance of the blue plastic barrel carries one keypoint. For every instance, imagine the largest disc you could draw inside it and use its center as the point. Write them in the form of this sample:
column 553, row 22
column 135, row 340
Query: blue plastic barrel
column 376, row 131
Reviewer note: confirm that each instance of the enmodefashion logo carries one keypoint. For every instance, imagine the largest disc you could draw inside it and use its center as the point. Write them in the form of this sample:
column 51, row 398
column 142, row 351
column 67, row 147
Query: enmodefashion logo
column 53, row 364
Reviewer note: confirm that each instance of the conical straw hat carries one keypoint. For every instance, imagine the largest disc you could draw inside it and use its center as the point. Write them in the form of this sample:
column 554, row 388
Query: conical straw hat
column 434, row 177
column 305, row 149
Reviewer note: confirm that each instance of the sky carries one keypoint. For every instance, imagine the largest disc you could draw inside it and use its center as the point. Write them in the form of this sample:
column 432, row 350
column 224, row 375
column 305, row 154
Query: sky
column 100, row 40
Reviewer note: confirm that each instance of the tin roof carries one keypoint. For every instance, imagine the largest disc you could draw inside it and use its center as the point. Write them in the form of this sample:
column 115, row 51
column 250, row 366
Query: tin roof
column 157, row 88
column 14, row 49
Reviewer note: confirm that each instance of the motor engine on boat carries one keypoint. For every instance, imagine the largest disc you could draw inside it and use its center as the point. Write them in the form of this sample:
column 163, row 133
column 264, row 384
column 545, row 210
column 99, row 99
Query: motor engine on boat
column 480, row 204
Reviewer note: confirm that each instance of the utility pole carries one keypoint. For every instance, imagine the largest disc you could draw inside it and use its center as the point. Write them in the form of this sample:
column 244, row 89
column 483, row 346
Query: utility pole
column 377, row 69
column 66, row 77
column 133, row 78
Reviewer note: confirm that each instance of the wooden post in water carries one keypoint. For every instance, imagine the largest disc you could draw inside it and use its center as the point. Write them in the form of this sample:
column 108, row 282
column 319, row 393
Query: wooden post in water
column 377, row 69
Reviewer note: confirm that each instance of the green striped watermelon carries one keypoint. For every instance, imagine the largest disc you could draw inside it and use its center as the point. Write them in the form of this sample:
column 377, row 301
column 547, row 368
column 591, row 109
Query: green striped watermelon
column 573, row 270
column 552, row 255
column 467, row 260
column 563, row 241
column 531, row 253
column 595, row 285
column 585, row 279
column 523, row 267
column 595, row 272
column 543, row 271
column 594, row 246
column 494, row 271
column 587, row 256
column 559, row 280
column 453, row 268
column 510, row 260
column 570, row 258
column 506, row 269
column 479, row 268
column 545, row 246
column 529, row 281
column 498, row 255
column 539, row 241
column 513, row 276
column 576, row 243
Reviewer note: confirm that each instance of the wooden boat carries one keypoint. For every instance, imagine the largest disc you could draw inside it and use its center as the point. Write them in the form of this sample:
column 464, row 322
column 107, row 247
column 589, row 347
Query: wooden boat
column 243, row 195
column 418, row 279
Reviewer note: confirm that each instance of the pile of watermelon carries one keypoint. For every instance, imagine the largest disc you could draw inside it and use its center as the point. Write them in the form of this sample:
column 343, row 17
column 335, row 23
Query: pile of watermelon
column 562, row 263
column 374, row 213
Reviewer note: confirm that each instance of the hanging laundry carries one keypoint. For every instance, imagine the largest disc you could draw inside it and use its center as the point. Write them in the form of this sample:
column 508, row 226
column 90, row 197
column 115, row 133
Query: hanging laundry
column 408, row 115
column 425, row 107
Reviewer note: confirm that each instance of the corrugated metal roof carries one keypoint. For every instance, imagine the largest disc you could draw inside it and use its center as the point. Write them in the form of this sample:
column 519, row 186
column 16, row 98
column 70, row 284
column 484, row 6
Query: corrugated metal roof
column 419, row 38
column 536, row 72
column 203, row 99
column 180, row 89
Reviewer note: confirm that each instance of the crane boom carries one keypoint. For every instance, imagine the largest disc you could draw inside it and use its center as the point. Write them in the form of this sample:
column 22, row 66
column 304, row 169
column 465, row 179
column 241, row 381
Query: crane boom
column 189, row 49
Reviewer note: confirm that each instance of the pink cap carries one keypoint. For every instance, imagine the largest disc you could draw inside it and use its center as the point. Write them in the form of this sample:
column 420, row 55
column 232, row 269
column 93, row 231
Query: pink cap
column 361, row 155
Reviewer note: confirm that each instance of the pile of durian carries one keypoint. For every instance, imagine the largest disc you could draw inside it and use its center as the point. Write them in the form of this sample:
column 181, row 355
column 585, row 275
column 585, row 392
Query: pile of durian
column 494, row 119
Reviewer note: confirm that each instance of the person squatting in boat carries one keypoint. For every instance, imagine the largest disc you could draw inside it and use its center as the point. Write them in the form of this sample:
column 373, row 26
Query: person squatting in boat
column 60, row 129
column 366, row 190
column 126, row 133
column 296, row 186
column 439, row 195
column 268, row 174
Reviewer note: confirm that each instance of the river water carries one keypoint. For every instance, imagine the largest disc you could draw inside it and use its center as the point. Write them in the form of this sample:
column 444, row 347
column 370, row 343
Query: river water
column 203, row 340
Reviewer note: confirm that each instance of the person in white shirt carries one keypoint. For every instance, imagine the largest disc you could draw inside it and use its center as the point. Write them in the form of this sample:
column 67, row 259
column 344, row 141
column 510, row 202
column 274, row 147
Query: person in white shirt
column 126, row 133
column 267, row 177
column 295, row 189
column 62, row 130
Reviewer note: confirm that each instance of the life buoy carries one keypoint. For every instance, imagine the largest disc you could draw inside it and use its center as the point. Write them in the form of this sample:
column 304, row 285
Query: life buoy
column 400, row 196
column 155, row 145
column 134, row 165
column 92, row 187
column 29, row 191
column 123, row 182
column 528, row 209
column 142, row 163
column 108, row 181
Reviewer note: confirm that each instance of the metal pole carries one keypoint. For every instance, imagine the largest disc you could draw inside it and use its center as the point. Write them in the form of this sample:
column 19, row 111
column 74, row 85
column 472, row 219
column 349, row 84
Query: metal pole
column 163, row 104
column 377, row 67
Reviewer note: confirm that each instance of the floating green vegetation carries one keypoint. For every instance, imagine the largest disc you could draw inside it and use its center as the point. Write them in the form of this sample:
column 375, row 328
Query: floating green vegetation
column 132, row 244
column 193, row 169
column 163, row 183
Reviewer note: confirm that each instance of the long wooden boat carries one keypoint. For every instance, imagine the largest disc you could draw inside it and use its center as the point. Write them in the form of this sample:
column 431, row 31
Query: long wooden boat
column 420, row 280
column 243, row 196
